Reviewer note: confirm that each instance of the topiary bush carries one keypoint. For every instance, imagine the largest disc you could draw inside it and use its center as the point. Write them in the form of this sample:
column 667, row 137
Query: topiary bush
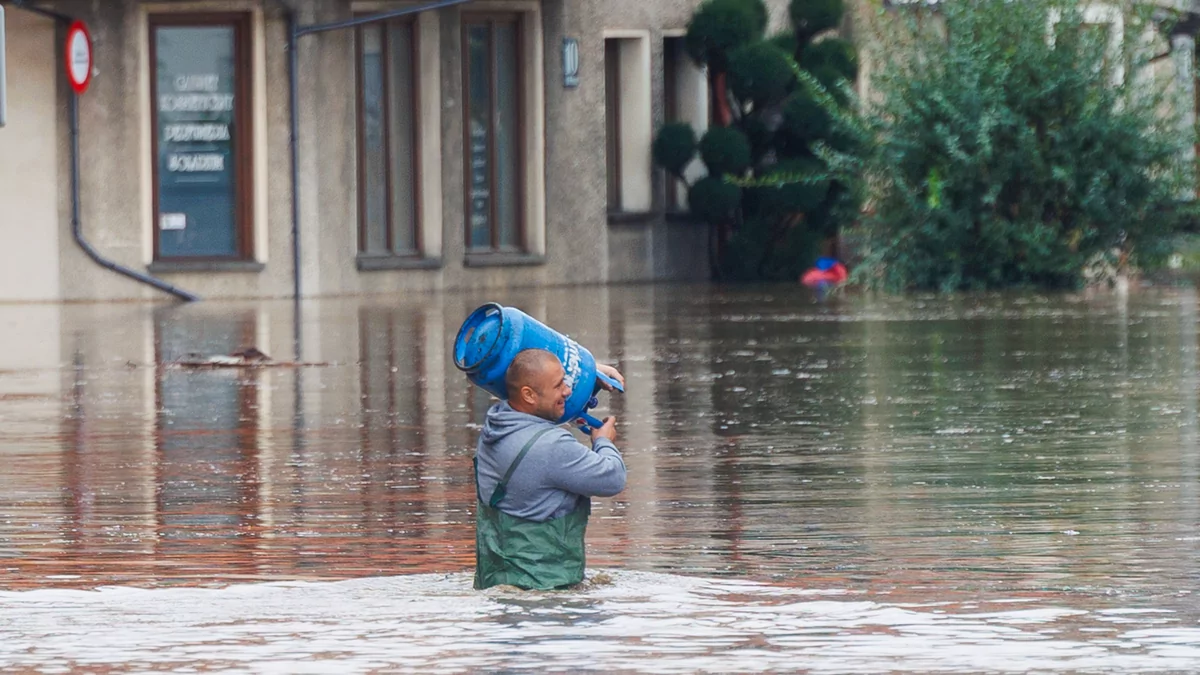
column 760, row 73
column 801, row 187
column 714, row 199
column 720, row 26
column 812, row 17
column 804, row 122
column 725, row 151
column 832, row 53
column 675, row 147
column 768, row 129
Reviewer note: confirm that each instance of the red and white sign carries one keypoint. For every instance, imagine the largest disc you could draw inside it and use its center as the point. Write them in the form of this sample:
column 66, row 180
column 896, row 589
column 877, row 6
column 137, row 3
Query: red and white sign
column 79, row 57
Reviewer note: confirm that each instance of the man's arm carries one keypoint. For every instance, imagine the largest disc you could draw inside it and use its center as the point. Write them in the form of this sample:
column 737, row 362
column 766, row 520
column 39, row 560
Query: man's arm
column 595, row 472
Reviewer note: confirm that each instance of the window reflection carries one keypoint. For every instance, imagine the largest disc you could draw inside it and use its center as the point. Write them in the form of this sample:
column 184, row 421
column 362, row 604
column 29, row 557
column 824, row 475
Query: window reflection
column 206, row 428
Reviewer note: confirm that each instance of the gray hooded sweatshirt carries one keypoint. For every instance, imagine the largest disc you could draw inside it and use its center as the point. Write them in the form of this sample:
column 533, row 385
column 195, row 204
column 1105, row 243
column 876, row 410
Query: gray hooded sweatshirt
column 556, row 472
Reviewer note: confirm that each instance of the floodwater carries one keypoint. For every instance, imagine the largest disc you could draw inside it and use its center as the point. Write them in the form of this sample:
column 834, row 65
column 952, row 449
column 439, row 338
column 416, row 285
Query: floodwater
column 924, row 484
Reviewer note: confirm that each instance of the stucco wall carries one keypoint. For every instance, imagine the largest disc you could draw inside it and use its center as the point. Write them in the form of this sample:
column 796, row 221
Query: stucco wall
column 116, row 190
column 28, row 164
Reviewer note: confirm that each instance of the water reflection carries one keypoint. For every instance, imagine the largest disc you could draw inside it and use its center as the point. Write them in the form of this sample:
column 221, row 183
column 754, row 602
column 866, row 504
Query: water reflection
column 1040, row 446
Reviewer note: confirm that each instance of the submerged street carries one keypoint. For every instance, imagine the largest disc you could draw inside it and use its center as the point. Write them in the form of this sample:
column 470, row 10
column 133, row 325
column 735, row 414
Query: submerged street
column 955, row 484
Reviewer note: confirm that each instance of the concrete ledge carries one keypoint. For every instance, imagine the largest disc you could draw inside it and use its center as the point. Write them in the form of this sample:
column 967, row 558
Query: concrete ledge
column 677, row 216
column 503, row 259
column 182, row 266
column 375, row 263
column 632, row 217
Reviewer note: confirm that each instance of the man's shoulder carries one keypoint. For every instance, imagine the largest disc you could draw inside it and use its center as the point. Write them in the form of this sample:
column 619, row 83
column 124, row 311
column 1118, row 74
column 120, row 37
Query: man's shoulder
column 563, row 444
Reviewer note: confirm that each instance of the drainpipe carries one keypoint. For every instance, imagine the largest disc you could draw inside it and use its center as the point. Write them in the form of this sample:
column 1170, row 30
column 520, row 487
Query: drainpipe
column 293, row 68
column 76, row 225
column 77, row 228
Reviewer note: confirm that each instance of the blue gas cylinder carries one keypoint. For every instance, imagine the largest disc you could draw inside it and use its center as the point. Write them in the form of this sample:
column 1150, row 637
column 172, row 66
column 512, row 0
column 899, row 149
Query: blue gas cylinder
column 493, row 335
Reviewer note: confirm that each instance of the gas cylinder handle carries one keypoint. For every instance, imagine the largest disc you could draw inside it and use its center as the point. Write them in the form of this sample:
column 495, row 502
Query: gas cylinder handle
column 615, row 384
column 589, row 421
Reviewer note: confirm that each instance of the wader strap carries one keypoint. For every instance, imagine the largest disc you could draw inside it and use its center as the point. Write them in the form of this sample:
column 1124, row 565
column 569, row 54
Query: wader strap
column 502, row 486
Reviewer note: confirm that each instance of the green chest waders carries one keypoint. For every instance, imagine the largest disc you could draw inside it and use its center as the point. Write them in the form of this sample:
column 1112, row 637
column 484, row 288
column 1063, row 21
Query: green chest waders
column 524, row 553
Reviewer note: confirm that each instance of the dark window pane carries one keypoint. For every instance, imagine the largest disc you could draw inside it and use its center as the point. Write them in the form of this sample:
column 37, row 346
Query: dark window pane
column 374, row 159
column 196, row 89
column 479, row 120
column 508, row 156
column 402, row 107
column 612, row 121
column 675, row 63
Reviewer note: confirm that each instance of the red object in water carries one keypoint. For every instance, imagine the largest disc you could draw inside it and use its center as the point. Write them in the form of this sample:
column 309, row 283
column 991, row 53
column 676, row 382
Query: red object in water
column 816, row 277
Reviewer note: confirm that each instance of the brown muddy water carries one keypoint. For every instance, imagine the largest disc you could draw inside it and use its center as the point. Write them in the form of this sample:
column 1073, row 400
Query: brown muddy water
column 925, row 484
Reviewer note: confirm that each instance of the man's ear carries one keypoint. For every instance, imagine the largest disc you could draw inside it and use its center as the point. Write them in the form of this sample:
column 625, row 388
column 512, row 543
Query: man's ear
column 528, row 395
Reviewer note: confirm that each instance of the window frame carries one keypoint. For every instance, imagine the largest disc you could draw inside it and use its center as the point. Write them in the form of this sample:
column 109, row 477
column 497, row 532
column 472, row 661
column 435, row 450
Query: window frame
column 491, row 19
column 242, row 136
column 678, row 72
column 360, row 140
column 639, row 198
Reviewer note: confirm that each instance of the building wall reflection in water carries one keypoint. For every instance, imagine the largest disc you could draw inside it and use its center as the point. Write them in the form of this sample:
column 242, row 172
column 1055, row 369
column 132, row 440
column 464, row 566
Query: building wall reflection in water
column 951, row 444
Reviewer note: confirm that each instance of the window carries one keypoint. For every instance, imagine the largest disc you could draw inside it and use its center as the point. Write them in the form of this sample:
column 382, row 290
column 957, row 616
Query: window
column 388, row 143
column 627, row 122
column 612, row 121
column 493, row 129
column 685, row 99
column 200, row 93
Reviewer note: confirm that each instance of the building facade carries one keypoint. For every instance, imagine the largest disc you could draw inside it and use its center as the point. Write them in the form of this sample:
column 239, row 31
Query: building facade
column 478, row 143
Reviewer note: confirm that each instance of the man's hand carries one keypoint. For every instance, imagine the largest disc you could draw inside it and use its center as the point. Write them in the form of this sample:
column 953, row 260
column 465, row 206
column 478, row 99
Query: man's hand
column 611, row 372
column 607, row 430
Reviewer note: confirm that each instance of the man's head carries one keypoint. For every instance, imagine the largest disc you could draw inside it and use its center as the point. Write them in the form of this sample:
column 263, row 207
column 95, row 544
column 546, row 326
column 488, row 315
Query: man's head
column 536, row 386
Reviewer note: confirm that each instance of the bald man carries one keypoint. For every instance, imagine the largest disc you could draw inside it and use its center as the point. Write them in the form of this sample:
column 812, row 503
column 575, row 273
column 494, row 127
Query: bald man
column 534, row 480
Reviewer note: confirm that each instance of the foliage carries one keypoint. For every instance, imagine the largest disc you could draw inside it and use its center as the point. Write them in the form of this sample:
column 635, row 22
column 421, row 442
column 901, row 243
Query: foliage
column 833, row 55
column 812, row 17
column 675, row 147
column 720, row 26
column 1010, row 148
column 760, row 73
column 725, row 151
column 712, row 198
column 767, row 127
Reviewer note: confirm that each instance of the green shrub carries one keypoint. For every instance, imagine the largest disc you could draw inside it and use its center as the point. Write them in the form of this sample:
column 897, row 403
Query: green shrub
column 833, row 54
column 810, row 17
column 999, row 158
column 804, row 121
column 785, row 41
column 720, row 26
column 762, row 139
column 760, row 73
column 725, row 151
column 798, row 191
column 763, row 250
column 675, row 147
column 713, row 200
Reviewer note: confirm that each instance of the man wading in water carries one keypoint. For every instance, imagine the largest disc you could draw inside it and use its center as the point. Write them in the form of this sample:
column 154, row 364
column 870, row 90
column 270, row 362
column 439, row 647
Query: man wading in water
column 534, row 481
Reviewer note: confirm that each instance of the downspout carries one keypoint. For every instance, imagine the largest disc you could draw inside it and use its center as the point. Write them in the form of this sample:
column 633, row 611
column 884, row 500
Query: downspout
column 293, row 137
column 77, row 228
column 76, row 225
column 293, row 68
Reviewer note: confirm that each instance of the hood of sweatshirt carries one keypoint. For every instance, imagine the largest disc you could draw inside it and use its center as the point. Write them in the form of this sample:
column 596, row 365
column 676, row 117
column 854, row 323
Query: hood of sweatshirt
column 503, row 421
